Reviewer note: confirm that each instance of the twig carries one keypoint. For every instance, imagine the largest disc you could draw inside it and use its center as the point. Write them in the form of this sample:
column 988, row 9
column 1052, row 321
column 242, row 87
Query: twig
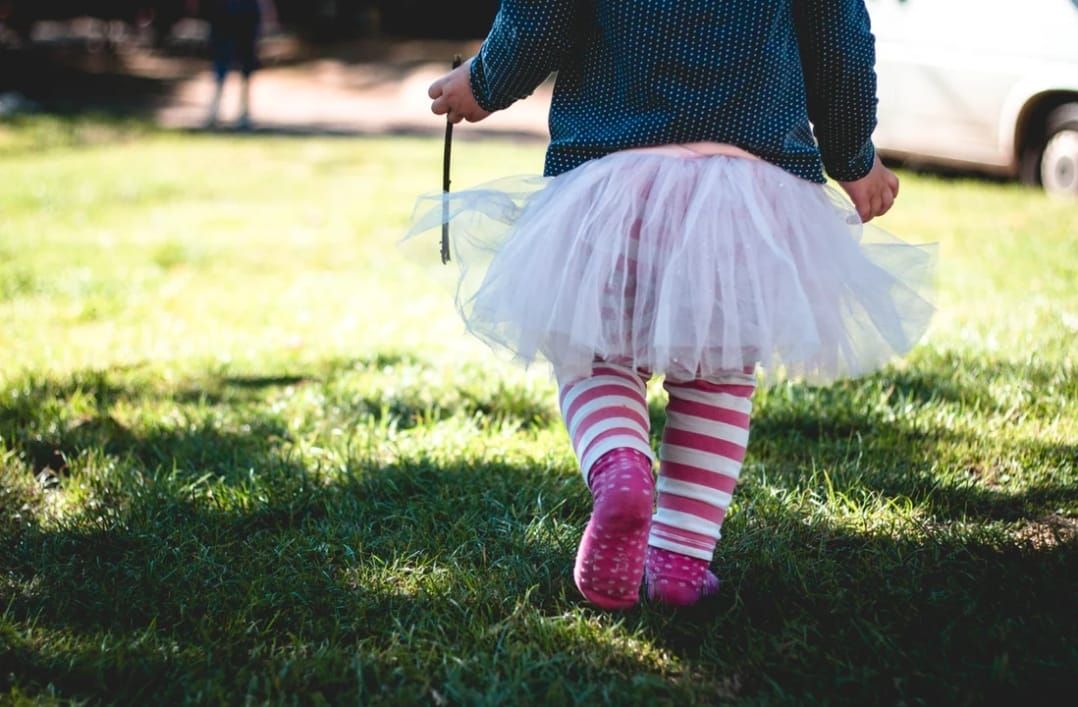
column 445, row 177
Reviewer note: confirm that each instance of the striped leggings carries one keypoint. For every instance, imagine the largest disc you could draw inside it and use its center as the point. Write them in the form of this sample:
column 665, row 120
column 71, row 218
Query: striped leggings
column 703, row 445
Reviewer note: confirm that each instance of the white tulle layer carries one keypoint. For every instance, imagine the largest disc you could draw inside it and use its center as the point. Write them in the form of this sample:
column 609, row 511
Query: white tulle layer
column 689, row 267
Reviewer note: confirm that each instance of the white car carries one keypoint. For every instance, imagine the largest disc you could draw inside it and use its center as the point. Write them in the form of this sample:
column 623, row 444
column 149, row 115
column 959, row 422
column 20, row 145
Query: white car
column 986, row 84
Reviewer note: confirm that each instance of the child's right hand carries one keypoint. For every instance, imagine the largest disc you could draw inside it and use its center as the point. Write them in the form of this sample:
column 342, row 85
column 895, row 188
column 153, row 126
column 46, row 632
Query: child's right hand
column 453, row 97
column 873, row 194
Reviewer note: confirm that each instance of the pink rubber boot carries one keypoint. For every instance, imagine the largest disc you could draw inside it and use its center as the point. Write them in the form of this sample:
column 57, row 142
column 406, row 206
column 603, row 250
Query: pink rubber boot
column 610, row 560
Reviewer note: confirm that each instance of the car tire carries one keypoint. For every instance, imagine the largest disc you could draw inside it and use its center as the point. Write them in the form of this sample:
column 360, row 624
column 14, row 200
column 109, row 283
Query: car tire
column 1059, row 157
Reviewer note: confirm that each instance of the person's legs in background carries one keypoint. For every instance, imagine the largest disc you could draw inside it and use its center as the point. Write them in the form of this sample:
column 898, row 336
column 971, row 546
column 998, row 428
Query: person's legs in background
column 247, row 55
column 703, row 447
column 234, row 41
column 222, row 48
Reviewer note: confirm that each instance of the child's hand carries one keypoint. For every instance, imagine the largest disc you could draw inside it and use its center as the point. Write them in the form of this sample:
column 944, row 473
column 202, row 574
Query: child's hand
column 453, row 97
column 873, row 193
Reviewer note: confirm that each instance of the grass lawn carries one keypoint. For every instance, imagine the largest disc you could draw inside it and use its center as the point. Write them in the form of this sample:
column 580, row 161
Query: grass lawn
column 246, row 454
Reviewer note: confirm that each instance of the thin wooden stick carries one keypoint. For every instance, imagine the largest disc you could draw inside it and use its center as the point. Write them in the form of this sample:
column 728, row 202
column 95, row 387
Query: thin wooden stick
column 457, row 60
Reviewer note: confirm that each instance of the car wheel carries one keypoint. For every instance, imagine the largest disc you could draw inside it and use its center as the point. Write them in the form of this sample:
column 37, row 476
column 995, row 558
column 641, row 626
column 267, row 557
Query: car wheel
column 1059, row 158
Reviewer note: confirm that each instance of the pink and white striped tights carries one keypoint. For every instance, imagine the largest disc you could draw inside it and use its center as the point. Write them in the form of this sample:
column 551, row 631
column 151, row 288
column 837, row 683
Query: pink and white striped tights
column 702, row 450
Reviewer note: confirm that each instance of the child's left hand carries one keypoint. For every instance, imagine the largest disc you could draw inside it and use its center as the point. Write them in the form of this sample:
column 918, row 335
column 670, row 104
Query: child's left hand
column 453, row 97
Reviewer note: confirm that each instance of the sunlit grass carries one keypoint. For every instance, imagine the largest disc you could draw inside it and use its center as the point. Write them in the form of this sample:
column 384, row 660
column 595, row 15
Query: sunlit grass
column 246, row 452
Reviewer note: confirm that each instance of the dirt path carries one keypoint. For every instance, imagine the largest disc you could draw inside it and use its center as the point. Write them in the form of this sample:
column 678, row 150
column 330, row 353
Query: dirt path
column 374, row 90
column 359, row 87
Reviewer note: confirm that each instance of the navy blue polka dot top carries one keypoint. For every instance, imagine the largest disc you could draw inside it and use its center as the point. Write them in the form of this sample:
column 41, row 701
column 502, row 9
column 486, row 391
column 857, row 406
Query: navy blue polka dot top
column 635, row 73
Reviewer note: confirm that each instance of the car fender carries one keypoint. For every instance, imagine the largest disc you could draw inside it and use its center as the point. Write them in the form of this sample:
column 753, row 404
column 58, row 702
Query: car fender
column 1047, row 80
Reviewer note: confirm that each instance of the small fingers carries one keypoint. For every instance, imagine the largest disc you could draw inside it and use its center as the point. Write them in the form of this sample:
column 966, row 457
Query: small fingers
column 436, row 89
column 886, row 203
column 876, row 206
column 440, row 106
column 864, row 208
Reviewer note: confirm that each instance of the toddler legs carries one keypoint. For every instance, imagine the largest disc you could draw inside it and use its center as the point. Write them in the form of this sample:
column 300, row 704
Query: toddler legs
column 607, row 418
column 703, row 446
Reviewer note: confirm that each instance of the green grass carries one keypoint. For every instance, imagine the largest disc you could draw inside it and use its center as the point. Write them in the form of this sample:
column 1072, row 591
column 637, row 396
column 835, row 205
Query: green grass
column 246, row 454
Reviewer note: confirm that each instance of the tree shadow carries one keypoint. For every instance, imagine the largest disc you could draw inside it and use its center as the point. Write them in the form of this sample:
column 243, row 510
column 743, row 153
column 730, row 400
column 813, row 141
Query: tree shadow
column 37, row 424
column 50, row 422
column 170, row 585
column 808, row 608
column 70, row 82
column 413, row 561
column 929, row 609
column 379, row 555
column 843, row 437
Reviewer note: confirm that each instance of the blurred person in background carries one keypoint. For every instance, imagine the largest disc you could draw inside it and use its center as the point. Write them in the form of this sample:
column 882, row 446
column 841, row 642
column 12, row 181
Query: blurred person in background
column 235, row 26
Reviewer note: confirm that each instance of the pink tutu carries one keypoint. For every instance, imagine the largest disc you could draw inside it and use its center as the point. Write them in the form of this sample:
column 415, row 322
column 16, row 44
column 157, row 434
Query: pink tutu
column 684, row 265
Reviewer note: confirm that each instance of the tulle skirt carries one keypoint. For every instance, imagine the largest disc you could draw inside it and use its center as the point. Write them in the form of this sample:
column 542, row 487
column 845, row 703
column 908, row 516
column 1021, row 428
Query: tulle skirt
column 685, row 266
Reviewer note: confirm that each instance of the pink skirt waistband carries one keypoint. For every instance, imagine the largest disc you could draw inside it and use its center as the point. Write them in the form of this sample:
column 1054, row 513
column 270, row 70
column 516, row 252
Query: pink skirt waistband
column 697, row 149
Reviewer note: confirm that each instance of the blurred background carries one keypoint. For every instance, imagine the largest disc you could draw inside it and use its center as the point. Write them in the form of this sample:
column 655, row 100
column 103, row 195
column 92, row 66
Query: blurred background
column 999, row 98
column 329, row 65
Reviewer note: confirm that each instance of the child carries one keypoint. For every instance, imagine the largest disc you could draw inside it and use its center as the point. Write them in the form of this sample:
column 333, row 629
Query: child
column 234, row 30
column 682, row 228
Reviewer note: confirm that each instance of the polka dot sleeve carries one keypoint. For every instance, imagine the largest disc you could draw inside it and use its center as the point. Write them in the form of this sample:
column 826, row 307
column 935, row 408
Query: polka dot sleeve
column 838, row 56
column 526, row 44
column 774, row 77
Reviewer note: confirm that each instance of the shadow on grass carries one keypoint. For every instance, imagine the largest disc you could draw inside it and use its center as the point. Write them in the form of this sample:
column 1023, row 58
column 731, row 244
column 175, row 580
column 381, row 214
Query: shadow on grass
column 843, row 437
column 369, row 582
column 809, row 608
column 389, row 566
column 879, row 435
column 399, row 579
column 950, row 476
column 50, row 423
column 72, row 82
